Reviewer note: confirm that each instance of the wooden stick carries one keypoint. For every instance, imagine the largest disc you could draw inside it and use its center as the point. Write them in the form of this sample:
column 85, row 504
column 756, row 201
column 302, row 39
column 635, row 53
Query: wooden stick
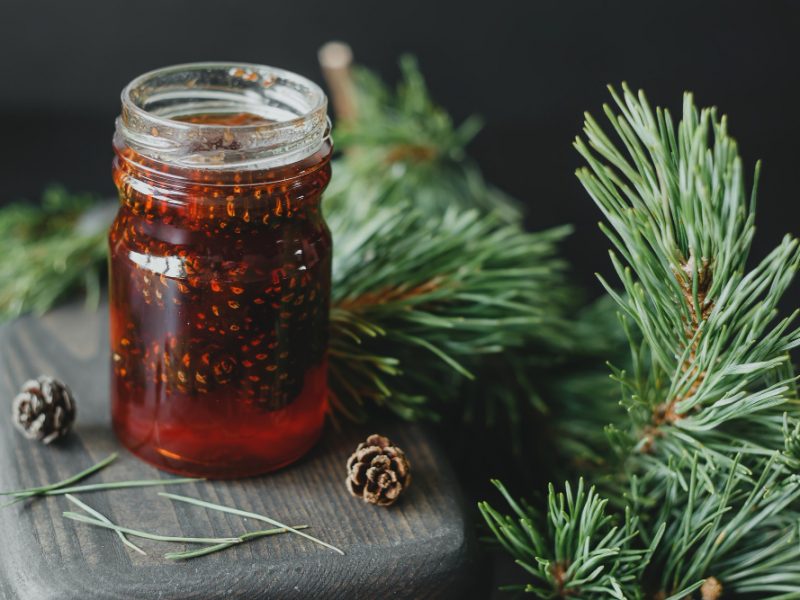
column 335, row 59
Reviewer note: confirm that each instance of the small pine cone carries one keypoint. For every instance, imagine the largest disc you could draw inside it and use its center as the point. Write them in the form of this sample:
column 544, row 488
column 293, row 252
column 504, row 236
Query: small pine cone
column 378, row 471
column 44, row 410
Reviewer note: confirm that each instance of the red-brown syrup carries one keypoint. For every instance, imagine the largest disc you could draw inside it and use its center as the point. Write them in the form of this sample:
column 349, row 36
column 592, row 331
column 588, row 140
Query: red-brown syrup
column 219, row 296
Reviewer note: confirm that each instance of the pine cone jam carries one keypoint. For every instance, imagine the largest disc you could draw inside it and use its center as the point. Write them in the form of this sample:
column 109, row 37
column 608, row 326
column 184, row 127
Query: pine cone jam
column 220, row 266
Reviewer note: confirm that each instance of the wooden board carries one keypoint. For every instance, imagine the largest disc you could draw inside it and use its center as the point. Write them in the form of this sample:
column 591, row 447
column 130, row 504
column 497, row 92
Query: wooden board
column 420, row 548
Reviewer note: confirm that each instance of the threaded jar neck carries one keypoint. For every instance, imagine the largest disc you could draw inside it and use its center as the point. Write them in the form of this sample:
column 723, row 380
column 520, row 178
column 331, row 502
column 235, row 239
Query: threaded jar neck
column 222, row 116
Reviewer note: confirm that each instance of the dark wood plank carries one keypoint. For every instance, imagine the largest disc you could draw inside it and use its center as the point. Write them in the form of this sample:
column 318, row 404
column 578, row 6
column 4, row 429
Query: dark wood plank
column 420, row 548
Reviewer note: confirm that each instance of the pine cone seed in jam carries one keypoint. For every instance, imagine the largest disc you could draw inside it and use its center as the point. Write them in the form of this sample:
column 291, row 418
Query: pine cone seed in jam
column 378, row 471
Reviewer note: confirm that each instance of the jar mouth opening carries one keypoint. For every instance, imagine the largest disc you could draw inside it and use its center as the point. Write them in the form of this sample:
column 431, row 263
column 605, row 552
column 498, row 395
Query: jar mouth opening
column 223, row 115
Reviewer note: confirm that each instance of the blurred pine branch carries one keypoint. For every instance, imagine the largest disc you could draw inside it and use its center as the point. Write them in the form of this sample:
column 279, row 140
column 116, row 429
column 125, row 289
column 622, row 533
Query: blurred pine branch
column 49, row 251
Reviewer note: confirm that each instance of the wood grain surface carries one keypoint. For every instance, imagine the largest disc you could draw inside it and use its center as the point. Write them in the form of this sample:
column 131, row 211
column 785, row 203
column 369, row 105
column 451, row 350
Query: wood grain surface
column 420, row 548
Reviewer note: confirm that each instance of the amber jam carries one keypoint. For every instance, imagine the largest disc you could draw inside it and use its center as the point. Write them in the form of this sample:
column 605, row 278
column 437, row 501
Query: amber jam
column 220, row 269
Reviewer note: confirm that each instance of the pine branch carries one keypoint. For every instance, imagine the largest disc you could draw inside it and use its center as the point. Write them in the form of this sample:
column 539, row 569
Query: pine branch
column 403, row 146
column 576, row 550
column 439, row 293
column 420, row 300
column 708, row 451
column 49, row 252
column 404, row 124
column 682, row 224
column 741, row 533
column 712, row 377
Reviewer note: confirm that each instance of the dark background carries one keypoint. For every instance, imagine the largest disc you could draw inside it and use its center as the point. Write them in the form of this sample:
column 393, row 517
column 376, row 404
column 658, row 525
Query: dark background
column 530, row 68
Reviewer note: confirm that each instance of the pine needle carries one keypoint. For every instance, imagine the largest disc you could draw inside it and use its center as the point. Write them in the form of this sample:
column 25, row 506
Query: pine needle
column 242, row 513
column 64, row 482
column 81, row 518
column 216, row 543
column 106, row 520
column 253, row 535
column 65, row 487
column 118, row 485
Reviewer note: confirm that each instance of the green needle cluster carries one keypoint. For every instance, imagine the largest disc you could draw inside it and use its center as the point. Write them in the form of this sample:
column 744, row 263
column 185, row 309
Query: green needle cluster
column 50, row 251
column 703, row 456
column 444, row 305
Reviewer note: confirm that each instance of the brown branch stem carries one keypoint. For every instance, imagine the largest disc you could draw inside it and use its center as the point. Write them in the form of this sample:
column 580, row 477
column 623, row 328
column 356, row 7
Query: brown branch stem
column 387, row 295
column 666, row 413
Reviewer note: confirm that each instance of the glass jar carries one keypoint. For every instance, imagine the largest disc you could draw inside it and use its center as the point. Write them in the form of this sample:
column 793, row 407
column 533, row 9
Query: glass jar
column 220, row 265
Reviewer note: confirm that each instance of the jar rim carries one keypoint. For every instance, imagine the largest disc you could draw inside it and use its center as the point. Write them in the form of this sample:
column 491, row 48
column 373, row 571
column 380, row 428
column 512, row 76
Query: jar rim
column 291, row 115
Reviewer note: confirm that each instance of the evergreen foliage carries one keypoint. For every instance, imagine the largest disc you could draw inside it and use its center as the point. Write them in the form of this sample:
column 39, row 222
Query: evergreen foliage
column 49, row 251
column 442, row 302
column 441, row 297
column 705, row 459
column 444, row 306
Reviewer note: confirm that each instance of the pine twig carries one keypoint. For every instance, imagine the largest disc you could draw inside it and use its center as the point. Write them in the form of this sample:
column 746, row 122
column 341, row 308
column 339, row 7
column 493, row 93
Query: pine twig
column 706, row 321
column 706, row 448
column 577, row 551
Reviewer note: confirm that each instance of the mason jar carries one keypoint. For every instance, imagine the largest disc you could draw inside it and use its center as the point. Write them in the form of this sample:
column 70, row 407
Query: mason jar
column 220, row 268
